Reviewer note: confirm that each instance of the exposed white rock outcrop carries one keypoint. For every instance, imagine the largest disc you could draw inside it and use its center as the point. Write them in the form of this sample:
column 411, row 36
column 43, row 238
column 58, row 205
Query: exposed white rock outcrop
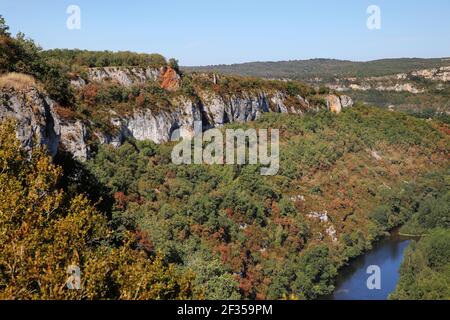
column 375, row 155
column 39, row 124
column 324, row 218
column 124, row 76
column 331, row 232
column 298, row 197
column 218, row 110
column 398, row 87
column 35, row 116
column 363, row 87
column 321, row 216
column 78, row 82
column 401, row 82
column 159, row 126
column 346, row 101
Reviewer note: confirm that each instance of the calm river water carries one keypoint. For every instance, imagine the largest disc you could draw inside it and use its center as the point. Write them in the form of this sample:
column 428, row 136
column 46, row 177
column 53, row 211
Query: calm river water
column 352, row 280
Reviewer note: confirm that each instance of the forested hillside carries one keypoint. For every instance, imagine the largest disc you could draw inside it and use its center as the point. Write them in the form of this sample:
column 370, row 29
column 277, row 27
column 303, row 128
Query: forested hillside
column 326, row 69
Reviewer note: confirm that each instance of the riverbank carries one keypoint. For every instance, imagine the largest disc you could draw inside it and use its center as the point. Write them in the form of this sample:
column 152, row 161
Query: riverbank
column 425, row 273
column 411, row 235
column 387, row 254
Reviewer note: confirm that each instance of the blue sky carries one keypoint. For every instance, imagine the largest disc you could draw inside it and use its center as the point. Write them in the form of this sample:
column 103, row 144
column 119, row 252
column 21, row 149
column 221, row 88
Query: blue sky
column 200, row 32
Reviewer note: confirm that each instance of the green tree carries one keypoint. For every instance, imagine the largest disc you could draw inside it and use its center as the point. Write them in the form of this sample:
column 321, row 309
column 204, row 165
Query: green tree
column 315, row 273
column 42, row 232
column 3, row 27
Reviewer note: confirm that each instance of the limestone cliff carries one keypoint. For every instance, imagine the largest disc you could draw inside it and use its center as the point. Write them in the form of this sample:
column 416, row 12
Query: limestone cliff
column 437, row 74
column 38, row 117
column 36, row 120
column 39, row 124
column 127, row 76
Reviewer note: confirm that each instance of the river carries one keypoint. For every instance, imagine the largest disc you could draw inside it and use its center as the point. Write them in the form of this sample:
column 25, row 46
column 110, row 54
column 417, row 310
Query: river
column 388, row 254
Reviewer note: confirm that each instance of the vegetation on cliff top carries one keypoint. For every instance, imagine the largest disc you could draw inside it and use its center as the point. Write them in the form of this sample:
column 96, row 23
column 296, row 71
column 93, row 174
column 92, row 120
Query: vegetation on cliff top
column 21, row 55
column 84, row 58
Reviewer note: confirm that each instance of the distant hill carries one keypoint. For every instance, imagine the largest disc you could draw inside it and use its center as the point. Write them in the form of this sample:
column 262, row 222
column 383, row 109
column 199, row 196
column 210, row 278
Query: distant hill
column 325, row 68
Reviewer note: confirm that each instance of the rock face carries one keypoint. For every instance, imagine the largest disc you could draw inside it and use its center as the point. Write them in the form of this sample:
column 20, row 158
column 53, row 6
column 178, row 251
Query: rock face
column 437, row 74
column 36, row 120
column 170, row 79
column 336, row 104
column 39, row 124
column 128, row 76
column 379, row 86
column 123, row 76
column 247, row 107
column 38, row 116
column 212, row 111
column 346, row 101
column 324, row 218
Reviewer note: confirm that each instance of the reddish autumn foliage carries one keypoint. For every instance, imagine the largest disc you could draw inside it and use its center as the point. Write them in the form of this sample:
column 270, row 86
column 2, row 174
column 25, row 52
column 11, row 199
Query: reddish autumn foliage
column 229, row 212
column 170, row 79
column 121, row 200
column 143, row 241
column 89, row 93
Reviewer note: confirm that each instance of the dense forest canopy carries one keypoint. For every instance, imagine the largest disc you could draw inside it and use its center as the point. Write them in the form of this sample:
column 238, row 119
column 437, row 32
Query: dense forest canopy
column 22, row 55
column 431, row 100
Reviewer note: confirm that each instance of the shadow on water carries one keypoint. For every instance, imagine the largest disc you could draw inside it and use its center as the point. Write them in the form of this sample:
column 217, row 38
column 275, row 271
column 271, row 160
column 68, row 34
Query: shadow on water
column 388, row 253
